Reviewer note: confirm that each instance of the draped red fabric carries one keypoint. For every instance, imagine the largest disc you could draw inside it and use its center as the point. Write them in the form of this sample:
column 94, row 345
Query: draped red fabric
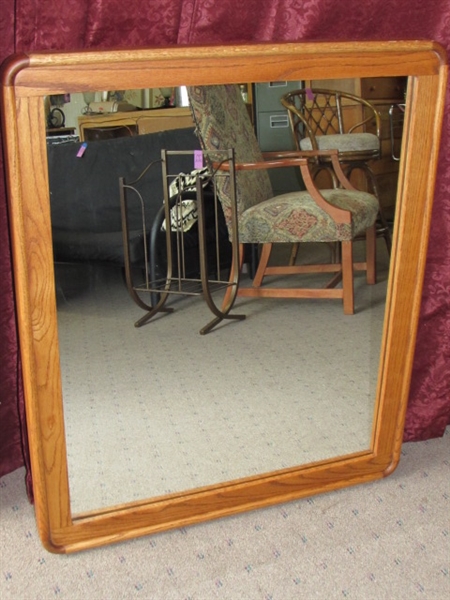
column 13, row 447
column 44, row 24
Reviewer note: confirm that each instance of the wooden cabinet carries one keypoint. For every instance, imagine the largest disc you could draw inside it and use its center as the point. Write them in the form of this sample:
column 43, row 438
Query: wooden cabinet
column 384, row 93
column 140, row 122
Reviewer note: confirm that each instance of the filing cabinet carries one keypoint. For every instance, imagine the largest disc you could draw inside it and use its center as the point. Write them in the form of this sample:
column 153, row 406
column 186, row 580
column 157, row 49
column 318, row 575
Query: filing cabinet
column 273, row 130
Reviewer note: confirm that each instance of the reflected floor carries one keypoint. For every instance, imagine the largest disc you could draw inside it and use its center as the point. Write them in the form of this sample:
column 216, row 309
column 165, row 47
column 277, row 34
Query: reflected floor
column 161, row 409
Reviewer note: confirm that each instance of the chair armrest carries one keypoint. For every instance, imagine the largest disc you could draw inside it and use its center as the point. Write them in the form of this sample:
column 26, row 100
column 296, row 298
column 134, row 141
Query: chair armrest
column 300, row 159
column 309, row 154
column 314, row 154
column 289, row 161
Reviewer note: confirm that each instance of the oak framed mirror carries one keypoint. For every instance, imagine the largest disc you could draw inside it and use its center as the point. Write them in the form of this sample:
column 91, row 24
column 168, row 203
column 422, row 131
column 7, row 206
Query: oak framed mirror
column 26, row 79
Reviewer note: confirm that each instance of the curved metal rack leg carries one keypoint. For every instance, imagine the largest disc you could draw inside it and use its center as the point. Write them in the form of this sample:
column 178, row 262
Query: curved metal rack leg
column 152, row 309
column 233, row 283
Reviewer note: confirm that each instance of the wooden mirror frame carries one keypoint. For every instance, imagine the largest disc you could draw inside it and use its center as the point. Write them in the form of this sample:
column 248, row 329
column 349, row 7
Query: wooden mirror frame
column 26, row 79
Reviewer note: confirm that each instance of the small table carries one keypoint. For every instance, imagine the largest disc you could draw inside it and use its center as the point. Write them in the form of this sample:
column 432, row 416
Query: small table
column 145, row 121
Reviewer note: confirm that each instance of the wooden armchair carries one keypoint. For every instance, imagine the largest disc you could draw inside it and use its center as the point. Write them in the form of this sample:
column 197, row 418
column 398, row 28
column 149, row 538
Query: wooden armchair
column 334, row 215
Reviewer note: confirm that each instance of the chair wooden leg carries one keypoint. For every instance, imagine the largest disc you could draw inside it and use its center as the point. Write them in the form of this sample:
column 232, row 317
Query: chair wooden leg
column 347, row 278
column 262, row 265
column 371, row 255
column 294, row 253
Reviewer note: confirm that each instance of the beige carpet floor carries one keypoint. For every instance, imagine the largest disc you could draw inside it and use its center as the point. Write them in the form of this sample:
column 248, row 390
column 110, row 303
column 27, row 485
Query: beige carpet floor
column 387, row 540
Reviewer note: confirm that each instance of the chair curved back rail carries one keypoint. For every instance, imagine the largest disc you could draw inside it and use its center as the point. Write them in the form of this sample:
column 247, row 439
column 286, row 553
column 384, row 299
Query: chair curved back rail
column 318, row 121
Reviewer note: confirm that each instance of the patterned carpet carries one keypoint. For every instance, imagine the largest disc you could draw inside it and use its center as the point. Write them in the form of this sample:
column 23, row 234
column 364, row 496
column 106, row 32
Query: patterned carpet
column 388, row 540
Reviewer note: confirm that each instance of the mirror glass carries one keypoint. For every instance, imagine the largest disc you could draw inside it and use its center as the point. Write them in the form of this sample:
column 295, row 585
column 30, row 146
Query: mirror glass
column 160, row 409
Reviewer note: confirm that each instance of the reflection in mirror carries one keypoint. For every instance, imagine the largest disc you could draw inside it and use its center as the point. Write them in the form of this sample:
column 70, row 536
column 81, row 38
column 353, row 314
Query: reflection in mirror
column 160, row 409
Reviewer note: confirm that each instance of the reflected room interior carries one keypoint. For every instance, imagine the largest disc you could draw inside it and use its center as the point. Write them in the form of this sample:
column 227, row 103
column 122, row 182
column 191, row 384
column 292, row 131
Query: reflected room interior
column 160, row 409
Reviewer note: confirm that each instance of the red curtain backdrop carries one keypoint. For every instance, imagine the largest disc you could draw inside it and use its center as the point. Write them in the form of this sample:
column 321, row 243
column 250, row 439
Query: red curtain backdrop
column 28, row 25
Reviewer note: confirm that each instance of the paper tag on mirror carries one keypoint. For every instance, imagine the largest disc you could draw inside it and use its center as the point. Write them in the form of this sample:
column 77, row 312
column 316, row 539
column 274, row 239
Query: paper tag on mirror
column 82, row 150
column 198, row 159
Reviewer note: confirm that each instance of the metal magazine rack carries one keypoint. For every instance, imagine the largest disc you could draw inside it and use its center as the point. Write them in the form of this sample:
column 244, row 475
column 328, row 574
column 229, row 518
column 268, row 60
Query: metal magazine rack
column 153, row 291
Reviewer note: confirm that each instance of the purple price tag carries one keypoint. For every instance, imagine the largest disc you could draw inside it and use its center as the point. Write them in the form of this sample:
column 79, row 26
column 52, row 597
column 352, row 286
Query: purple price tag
column 82, row 150
column 198, row 159
column 309, row 94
